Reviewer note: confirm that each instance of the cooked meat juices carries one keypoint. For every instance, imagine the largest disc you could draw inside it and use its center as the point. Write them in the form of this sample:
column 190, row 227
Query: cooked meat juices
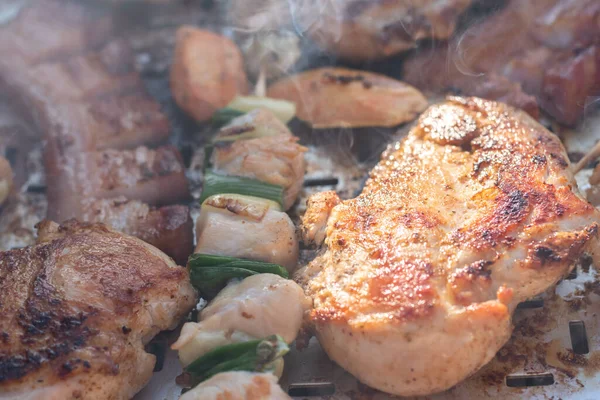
column 77, row 309
column 475, row 211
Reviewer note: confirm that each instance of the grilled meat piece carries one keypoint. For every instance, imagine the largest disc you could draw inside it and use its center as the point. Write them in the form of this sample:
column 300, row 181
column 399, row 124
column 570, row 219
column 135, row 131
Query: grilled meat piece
column 238, row 385
column 207, row 72
column 79, row 89
column 340, row 97
column 548, row 47
column 53, row 29
column 169, row 228
column 259, row 306
column 364, row 30
column 156, row 177
column 247, row 227
column 273, row 155
column 472, row 213
column 77, row 309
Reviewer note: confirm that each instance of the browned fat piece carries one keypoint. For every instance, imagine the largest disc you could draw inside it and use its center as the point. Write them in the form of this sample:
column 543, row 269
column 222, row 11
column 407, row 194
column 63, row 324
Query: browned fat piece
column 474, row 212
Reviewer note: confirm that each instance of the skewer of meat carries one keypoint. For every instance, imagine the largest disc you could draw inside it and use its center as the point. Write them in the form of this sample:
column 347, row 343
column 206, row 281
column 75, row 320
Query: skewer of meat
column 256, row 172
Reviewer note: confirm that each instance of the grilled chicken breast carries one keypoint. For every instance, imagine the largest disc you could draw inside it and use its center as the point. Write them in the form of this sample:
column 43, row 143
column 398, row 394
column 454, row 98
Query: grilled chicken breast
column 77, row 309
column 475, row 211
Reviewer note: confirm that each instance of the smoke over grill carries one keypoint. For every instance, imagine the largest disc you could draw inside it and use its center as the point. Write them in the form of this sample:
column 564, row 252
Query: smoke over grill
column 99, row 123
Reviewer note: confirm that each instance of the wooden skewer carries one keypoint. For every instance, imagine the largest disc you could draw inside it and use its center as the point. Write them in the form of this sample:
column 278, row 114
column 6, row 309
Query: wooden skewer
column 588, row 158
column 260, row 89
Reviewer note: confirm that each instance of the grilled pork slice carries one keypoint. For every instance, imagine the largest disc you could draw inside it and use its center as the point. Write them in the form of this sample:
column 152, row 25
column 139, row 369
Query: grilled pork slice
column 363, row 30
column 72, row 29
column 169, row 228
column 548, row 48
column 238, row 385
column 155, row 177
column 77, row 309
column 475, row 211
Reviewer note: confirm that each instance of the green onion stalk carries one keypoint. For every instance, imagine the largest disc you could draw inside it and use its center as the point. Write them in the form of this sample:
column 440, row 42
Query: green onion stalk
column 209, row 274
column 253, row 356
column 220, row 184
column 224, row 116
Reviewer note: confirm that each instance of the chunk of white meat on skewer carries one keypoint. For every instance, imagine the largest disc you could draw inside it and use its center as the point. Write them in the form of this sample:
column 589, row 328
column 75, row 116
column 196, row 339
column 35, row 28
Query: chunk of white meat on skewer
column 258, row 145
column 247, row 227
column 238, row 385
column 259, row 306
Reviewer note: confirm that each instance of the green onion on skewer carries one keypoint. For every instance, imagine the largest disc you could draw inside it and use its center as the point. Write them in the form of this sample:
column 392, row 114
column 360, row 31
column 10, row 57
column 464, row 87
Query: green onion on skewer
column 224, row 116
column 209, row 274
column 253, row 356
column 284, row 110
column 218, row 184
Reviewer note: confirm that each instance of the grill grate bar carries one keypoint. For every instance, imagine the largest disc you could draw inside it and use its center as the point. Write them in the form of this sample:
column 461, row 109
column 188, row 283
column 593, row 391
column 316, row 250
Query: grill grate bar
column 529, row 304
column 330, row 181
column 528, row 380
column 579, row 339
column 311, row 389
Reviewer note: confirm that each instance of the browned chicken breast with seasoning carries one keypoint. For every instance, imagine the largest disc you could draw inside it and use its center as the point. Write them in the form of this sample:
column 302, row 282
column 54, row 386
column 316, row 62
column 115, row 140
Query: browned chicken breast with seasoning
column 363, row 30
column 77, row 309
column 475, row 211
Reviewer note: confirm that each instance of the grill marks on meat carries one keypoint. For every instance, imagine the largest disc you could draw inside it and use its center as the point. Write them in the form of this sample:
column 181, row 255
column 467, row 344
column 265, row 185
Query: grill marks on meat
column 77, row 309
column 472, row 213
column 84, row 95
column 546, row 50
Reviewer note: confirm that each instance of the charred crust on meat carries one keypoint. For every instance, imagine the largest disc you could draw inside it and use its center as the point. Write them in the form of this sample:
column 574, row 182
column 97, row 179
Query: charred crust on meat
column 539, row 159
column 546, row 254
column 329, row 78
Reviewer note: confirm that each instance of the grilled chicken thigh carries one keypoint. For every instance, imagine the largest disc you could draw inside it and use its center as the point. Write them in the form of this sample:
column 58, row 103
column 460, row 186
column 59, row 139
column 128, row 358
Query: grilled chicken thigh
column 475, row 211
column 77, row 309
column 238, row 385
